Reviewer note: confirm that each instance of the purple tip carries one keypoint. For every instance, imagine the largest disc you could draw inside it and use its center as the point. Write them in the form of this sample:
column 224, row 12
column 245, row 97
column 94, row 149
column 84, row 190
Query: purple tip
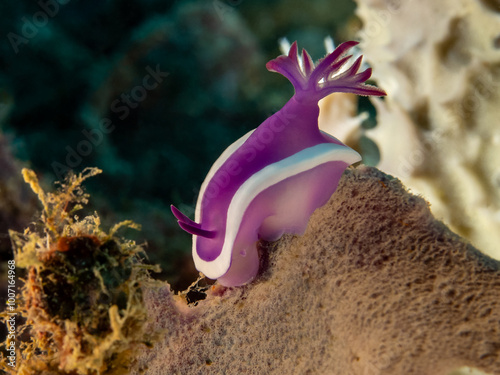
column 183, row 218
column 197, row 231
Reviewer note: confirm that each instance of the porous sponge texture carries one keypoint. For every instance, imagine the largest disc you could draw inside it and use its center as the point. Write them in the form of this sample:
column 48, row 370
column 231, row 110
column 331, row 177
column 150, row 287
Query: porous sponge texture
column 375, row 286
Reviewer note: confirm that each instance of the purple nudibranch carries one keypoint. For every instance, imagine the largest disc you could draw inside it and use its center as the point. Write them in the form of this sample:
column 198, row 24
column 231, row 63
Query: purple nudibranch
column 271, row 180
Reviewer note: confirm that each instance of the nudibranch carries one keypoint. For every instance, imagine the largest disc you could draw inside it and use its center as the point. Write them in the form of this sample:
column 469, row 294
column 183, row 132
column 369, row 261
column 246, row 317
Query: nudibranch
column 270, row 181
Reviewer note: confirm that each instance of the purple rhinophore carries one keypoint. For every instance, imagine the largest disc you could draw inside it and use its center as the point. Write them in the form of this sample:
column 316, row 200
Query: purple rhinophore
column 270, row 181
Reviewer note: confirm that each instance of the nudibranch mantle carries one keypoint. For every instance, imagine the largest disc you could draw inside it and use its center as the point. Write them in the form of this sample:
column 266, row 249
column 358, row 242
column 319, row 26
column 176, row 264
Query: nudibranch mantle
column 271, row 180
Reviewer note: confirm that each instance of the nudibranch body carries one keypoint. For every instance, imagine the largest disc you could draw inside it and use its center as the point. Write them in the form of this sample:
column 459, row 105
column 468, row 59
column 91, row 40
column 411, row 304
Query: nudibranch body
column 271, row 180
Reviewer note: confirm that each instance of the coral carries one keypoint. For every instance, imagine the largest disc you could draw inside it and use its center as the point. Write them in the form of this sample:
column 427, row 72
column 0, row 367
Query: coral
column 375, row 286
column 438, row 130
column 82, row 299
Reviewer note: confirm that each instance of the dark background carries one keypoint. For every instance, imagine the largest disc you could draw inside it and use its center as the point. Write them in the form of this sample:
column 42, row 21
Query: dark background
column 67, row 66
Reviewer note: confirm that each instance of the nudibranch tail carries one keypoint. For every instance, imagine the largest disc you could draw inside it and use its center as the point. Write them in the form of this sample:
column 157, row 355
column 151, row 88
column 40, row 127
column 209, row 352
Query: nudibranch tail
column 313, row 83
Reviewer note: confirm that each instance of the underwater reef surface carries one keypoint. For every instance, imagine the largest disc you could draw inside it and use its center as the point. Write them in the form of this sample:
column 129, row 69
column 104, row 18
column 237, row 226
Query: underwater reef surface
column 438, row 132
column 375, row 286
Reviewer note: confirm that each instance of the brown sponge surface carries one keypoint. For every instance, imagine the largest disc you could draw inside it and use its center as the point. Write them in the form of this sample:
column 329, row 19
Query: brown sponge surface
column 376, row 285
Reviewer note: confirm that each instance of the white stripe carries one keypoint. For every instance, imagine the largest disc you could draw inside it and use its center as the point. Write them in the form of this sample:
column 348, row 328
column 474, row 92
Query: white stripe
column 215, row 167
column 274, row 173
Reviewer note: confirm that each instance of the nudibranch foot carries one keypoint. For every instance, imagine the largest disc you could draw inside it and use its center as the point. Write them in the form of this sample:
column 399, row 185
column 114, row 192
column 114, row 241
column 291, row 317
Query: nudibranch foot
column 244, row 267
column 267, row 205
column 271, row 180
